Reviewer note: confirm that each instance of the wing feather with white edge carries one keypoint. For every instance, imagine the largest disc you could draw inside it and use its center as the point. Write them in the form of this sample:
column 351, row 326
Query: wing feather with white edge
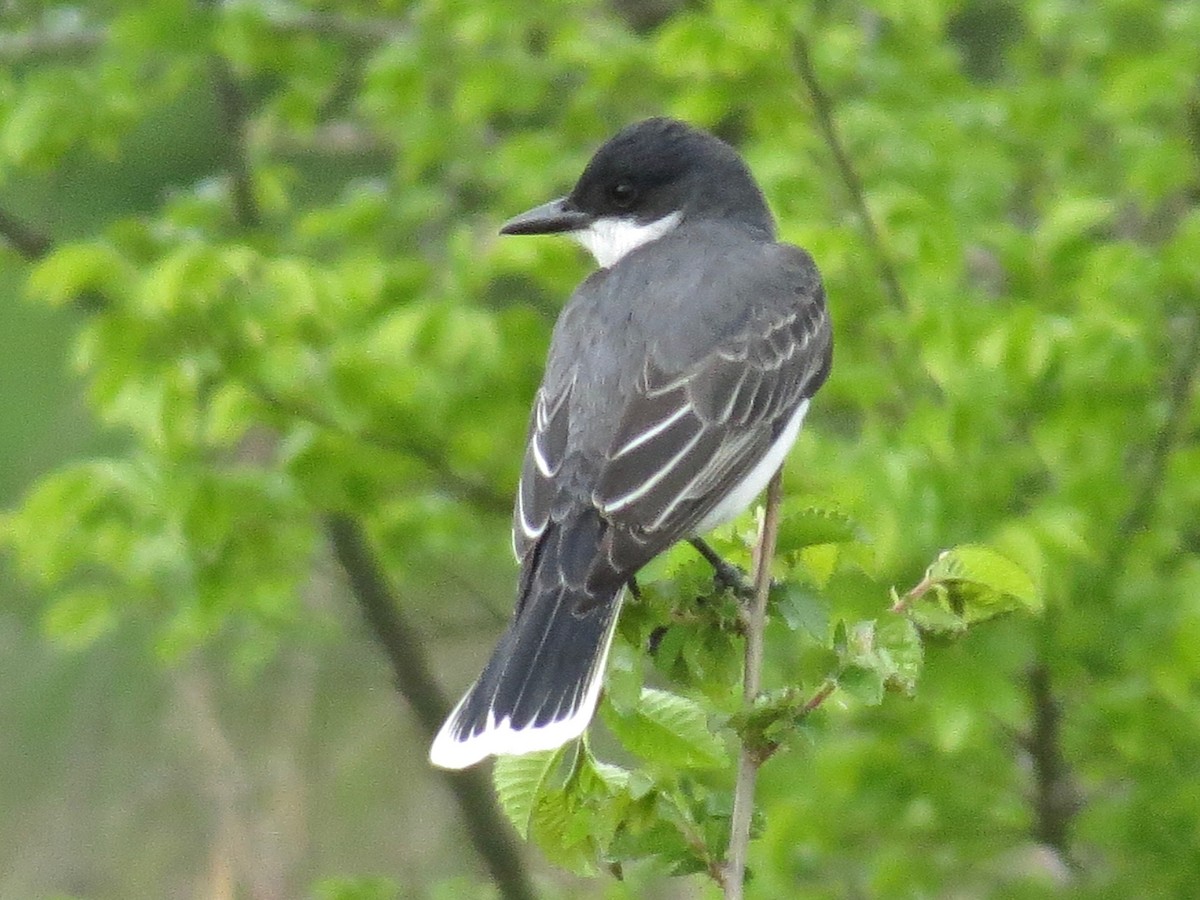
column 688, row 438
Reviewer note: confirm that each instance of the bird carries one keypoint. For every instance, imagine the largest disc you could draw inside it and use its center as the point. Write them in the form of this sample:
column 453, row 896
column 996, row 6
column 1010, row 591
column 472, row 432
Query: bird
column 676, row 382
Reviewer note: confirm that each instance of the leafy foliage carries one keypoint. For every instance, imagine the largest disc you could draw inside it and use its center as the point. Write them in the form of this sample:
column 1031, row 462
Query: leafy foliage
column 312, row 313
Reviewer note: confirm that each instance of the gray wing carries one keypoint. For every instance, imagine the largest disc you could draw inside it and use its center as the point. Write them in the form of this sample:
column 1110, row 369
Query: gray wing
column 688, row 438
column 689, row 433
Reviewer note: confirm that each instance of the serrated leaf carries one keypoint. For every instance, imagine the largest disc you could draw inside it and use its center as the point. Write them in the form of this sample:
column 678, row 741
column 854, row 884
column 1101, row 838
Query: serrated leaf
column 613, row 778
column 561, row 828
column 668, row 729
column 801, row 609
column 519, row 781
column 811, row 526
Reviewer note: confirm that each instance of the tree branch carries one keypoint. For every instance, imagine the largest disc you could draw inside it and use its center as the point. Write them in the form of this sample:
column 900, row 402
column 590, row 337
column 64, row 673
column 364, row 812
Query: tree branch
column 402, row 644
column 823, row 107
column 1179, row 392
column 1055, row 799
column 749, row 760
column 231, row 114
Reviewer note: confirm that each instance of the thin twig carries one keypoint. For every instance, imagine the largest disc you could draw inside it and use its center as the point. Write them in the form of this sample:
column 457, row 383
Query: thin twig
column 823, row 107
column 228, row 787
column 402, row 643
column 748, row 760
column 813, row 703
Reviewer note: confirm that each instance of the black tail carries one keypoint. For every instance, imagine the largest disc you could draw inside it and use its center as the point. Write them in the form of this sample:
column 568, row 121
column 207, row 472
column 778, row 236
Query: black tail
column 539, row 689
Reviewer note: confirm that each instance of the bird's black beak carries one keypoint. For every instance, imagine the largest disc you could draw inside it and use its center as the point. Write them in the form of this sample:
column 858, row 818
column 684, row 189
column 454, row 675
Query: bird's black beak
column 550, row 218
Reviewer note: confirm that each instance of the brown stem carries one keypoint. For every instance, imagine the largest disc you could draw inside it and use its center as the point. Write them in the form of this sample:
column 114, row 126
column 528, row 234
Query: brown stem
column 748, row 759
column 405, row 650
column 813, row 703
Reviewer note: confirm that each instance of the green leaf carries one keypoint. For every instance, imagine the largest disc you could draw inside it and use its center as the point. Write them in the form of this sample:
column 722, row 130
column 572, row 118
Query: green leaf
column 935, row 618
column 562, row 829
column 981, row 566
column 966, row 585
column 519, row 781
column 878, row 656
column 813, row 525
column 863, row 683
column 81, row 616
column 668, row 729
column 800, row 608
column 1070, row 220
column 901, row 652
column 75, row 269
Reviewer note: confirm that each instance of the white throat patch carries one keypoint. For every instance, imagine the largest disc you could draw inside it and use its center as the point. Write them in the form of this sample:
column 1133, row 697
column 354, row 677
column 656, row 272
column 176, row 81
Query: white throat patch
column 609, row 239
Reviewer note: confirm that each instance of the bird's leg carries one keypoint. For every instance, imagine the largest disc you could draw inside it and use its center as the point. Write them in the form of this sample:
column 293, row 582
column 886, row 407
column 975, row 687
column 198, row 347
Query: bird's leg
column 726, row 573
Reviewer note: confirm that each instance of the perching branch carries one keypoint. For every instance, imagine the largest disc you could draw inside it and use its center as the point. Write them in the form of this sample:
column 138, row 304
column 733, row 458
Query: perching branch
column 823, row 107
column 489, row 832
column 749, row 760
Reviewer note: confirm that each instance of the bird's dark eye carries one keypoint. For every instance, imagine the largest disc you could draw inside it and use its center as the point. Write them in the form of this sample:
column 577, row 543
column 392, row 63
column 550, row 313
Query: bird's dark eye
column 622, row 194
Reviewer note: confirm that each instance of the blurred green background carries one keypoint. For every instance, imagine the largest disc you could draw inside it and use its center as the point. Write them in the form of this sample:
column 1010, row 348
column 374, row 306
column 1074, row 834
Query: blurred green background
column 271, row 291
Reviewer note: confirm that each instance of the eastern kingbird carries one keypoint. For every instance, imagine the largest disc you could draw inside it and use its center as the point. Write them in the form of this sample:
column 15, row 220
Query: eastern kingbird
column 677, row 379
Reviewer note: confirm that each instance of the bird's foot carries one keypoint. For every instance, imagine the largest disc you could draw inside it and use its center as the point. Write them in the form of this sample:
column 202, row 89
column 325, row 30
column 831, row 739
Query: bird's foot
column 725, row 573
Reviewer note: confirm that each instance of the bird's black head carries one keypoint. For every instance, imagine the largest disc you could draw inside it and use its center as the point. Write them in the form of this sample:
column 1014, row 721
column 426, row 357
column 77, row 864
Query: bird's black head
column 660, row 166
column 645, row 180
